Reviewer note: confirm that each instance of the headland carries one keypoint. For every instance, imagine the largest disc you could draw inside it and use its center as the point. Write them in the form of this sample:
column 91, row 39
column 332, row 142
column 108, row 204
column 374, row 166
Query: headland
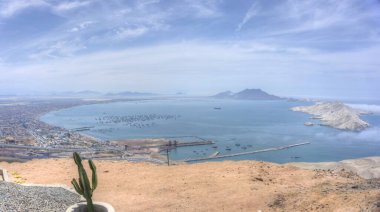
column 336, row 115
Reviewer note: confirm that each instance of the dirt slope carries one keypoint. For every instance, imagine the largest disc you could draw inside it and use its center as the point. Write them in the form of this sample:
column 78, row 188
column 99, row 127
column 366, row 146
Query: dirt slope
column 213, row 186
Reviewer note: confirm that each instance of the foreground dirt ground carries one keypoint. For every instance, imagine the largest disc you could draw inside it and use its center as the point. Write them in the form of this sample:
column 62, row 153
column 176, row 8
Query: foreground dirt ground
column 213, row 186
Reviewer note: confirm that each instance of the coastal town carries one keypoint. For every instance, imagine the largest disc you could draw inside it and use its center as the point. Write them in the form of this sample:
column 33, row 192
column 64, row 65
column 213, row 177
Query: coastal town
column 24, row 136
column 20, row 127
column 20, row 124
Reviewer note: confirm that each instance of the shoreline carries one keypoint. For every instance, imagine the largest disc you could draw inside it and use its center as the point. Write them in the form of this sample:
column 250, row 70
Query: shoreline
column 94, row 143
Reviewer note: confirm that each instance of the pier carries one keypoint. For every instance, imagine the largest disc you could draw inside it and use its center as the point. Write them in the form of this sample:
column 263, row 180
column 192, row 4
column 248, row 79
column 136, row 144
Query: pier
column 80, row 129
column 246, row 153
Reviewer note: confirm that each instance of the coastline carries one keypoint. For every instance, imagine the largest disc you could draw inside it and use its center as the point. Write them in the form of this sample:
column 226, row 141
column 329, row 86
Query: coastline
column 91, row 143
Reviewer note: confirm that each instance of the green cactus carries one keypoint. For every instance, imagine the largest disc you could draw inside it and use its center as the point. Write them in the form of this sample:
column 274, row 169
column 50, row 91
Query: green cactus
column 83, row 187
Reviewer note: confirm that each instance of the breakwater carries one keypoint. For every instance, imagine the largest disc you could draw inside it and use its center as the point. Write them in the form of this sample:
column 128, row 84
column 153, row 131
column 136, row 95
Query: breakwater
column 246, row 153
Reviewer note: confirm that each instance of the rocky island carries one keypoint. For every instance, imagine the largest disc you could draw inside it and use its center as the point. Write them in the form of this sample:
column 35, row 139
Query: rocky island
column 247, row 94
column 336, row 114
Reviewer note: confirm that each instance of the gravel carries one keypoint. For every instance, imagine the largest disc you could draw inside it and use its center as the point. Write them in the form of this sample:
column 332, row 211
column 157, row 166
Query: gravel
column 15, row 197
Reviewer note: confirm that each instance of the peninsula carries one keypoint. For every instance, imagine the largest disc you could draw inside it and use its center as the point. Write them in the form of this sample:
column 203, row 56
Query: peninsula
column 336, row 114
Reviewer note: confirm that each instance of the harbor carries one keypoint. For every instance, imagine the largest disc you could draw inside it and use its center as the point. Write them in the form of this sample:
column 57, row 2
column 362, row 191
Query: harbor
column 217, row 156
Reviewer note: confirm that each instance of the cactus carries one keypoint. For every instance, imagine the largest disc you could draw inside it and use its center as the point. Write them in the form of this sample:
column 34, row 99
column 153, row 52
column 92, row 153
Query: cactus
column 83, row 187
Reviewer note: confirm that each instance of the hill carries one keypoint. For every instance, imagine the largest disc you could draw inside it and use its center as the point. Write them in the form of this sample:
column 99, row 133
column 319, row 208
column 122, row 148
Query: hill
column 212, row 186
column 247, row 94
column 130, row 94
column 335, row 114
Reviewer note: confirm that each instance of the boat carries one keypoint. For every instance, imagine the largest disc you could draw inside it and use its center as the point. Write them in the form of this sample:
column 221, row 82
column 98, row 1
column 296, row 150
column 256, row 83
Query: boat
column 214, row 155
column 217, row 108
column 228, row 148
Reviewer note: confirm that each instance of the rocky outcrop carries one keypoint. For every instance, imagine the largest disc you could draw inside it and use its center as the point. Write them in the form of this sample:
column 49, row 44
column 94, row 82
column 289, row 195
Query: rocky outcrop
column 367, row 168
column 335, row 114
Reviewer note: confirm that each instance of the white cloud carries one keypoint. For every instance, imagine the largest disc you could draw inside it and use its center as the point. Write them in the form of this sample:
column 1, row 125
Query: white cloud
column 9, row 8
column 203, row 9
column 366, row 107
column 370, row 134
column 82, row 26
column 256, row 55
column 195, row 66
column 302, row 16
column 57, row 49
column 143, row 3
column 252, row 11
column 125, row 33
column 70, row 5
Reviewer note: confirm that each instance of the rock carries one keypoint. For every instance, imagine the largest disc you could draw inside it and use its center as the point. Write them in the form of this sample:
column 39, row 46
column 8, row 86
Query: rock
column 335, row 114
column 15, row 197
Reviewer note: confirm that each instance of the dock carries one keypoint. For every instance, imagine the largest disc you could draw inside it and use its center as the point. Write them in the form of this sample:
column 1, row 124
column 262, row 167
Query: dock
column 247, row 153
column 80, row 129
column 191, row 143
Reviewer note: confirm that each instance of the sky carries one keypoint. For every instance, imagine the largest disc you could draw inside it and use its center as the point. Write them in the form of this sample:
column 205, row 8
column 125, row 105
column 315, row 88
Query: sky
column 309, row 48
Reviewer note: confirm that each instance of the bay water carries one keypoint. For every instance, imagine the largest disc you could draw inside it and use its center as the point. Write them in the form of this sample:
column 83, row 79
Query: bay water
column 234, row 125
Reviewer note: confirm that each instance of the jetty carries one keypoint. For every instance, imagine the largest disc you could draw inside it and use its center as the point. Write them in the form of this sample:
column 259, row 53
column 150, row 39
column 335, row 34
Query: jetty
column 148, row 145
column 81, row 129
column 247, row 153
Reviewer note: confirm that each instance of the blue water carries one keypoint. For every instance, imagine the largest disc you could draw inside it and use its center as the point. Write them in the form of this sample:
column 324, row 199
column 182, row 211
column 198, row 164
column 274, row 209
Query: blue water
column 238, row 124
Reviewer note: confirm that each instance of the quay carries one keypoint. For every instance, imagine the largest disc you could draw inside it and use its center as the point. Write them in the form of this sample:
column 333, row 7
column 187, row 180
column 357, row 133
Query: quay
column 246, row 153
column 170, row 144
column 190, row 143
column 80, row 129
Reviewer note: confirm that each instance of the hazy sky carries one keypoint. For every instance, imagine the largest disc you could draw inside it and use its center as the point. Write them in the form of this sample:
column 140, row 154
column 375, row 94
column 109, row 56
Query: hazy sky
column 289, row 48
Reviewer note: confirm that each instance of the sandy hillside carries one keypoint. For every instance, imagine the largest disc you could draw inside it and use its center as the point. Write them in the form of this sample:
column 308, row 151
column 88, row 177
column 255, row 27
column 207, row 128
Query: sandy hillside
column 214, row 186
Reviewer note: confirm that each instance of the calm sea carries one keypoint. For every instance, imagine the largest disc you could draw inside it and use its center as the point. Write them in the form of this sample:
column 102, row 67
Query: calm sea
column 233, row 124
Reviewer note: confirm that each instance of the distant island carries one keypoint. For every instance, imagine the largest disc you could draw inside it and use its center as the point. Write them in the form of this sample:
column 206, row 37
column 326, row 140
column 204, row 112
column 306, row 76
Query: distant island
column 90, row 93
column 130, row 94
column 247, row 94
column 336, row 114
column 77, row 93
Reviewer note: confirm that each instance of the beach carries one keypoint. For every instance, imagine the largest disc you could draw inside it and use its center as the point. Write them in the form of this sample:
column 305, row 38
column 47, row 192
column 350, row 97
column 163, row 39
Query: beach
column 212, row 186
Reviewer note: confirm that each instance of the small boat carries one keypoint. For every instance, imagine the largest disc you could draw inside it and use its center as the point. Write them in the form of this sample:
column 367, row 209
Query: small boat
column 228, row 148
column 215, row 147
column 237, row 144
column 214, row 155
column 217, row 108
